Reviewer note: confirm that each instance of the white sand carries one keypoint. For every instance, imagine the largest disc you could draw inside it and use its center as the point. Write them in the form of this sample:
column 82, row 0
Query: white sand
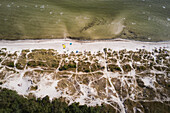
column 92, row 46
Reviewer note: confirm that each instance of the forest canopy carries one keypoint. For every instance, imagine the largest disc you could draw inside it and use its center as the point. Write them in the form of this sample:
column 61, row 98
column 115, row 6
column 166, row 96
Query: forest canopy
column 11, row 102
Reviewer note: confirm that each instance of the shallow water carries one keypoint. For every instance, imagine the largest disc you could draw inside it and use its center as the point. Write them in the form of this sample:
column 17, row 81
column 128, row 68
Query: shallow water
column 86, row 19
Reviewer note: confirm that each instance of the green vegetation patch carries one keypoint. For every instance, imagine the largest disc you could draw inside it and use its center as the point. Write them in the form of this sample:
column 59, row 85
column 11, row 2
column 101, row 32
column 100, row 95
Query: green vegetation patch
column 140, row 82
column 112, row 60
column 113, row 68
column 136, row 58
column 45, row 58
column 84, row 66
column 22, row 60
column 126, row 68
column 8, row 63
column 141, row 68
column 34, row 88
column 96, row 67
column 158, row 68
column 2, row 54
column 70, row 66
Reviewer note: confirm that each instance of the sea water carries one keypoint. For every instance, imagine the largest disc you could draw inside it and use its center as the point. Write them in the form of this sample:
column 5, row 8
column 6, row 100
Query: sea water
column 85, row 19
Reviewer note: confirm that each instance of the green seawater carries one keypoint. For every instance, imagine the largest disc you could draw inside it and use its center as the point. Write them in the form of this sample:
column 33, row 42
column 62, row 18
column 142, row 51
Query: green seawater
column 85, row 19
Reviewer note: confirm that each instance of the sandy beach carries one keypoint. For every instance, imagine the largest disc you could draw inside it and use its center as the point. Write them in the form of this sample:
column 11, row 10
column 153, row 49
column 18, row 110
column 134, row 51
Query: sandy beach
column 93, row 46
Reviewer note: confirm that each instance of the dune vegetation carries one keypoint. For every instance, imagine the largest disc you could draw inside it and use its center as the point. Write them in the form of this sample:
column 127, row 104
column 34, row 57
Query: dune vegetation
column 124, row 81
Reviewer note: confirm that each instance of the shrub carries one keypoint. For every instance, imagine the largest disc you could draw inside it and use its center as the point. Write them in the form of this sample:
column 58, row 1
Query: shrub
column 19, row 66
column 87, row 70
column 34, row 87
column 136, row 58
column 54, row 65
column 65, row 67
column 1, row 83
column 105, row 50
column 32, row 64
column 126, row 68
column 141, row 68
column 10, row 64
column 114, row 68
column 72, row 65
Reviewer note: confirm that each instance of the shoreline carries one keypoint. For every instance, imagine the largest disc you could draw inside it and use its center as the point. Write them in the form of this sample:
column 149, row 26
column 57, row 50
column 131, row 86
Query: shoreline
column 86, row 40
